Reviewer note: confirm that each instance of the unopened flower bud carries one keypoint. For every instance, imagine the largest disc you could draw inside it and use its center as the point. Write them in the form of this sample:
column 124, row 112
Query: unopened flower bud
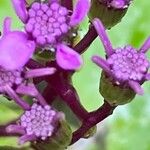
column 110, row 12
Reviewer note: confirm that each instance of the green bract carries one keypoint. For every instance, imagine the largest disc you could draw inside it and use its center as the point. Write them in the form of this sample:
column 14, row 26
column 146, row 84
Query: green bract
column 114, row 94
column 108, row 15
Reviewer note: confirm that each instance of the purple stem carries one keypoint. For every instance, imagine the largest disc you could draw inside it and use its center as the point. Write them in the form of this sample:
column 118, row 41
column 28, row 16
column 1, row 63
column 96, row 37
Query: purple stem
column 94, row 118
column 86, row 41
column 146, row 46
column 67, row 92
column 49, row 94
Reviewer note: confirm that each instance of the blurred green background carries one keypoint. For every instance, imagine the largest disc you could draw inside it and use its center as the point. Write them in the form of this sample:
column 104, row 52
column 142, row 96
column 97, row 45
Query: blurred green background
column 128, row 128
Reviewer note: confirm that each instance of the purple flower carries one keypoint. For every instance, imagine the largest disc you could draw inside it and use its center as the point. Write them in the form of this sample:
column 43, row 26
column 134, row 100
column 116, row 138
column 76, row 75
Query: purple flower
column 38, row 123
column 13, row 82
column 127, row 66
column 49, row 23
column 117, row 4
column 15, row 47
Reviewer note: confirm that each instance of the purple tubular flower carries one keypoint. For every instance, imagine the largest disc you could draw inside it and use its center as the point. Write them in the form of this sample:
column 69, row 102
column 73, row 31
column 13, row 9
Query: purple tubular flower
column 38, row 123
column 127, row 66
column 15, row 48
column 49, row 24
column 19, row 6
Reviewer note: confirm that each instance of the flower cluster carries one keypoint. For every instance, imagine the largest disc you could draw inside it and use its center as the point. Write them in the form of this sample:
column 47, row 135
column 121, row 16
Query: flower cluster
column 127, row 66
column 47, row 26
column 39, row 122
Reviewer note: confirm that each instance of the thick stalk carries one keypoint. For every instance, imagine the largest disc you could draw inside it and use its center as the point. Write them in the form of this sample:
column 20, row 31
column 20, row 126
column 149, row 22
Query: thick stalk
column 86, row 41
column 63, row 87
column 94, row 118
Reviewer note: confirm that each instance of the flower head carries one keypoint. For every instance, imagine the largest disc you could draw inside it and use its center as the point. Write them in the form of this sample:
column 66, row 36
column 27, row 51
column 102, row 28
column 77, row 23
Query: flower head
column 127, row 66
column 38, row 123
column 49, row 24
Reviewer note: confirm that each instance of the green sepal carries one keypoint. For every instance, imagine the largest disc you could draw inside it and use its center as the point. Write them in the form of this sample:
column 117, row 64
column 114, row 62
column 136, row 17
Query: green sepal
column 90, row 132
column 108, row 15
column 113, row 93
column 59, row 141
column 46, row 55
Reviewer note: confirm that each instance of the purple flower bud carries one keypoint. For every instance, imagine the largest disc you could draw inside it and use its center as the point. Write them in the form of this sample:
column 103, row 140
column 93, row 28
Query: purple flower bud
column 38, row 123
column 127, row 66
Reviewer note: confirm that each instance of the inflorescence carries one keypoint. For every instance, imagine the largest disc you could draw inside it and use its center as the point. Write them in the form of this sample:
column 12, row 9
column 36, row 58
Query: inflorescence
column 46, row 25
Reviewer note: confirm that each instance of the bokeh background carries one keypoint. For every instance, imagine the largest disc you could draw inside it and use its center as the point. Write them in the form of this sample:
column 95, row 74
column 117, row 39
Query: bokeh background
column 129, row 127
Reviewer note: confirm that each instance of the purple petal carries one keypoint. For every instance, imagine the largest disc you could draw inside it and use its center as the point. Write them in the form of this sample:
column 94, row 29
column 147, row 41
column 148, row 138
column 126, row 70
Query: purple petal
column 26, row 138
column 147, row 76
column 6, row 25
column 20, row 8
column 67, row 58
column 118, row 4
column 136, row 87
column 146, row 46
column 15, row 129
column 15, row 50
column 81, row 9
column 40, row 72
column 103, row 36
column 27, row 89
column 102, row 63
column 12, row 94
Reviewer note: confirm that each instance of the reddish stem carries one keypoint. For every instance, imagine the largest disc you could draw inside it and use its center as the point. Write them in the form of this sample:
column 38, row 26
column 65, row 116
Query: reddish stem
column 94, row 118
column 86, row 41
column 49, row 94
column 61, row 84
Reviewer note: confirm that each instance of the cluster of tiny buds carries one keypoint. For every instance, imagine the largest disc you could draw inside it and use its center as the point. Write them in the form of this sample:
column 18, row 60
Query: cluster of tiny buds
column 128, row 64
column 9, row 78
column 47, row 23
column 39, row 121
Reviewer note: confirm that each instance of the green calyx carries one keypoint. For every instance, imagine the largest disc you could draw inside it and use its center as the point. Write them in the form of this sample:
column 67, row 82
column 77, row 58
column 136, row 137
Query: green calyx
column 115, row 94
column 59, row 141
column 108, row 15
